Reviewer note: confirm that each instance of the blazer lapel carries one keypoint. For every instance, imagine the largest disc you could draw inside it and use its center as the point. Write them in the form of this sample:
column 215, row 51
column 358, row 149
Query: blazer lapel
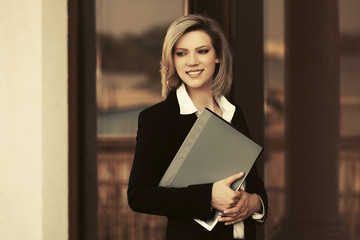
column 179, row 125
column 182, row 122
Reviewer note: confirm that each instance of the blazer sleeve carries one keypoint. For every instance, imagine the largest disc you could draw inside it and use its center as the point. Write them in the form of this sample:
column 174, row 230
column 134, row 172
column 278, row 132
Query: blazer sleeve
column 149, row 165
column 254, row 183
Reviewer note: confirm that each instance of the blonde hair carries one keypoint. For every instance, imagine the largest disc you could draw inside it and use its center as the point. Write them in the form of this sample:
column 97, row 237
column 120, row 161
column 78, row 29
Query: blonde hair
column 223, row 72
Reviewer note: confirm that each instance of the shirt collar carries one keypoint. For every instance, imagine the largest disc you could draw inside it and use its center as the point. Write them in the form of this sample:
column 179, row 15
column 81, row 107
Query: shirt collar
column 187, row 106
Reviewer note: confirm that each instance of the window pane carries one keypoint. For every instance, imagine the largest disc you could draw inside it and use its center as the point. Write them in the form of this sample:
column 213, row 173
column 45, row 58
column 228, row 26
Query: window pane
column 349, row 165
column 349, row 157
column 129, row 41
column 274, row 111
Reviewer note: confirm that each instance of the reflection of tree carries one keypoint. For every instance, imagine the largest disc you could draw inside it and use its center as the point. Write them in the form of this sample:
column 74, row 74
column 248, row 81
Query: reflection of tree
column 133, row 53
column 142, row 53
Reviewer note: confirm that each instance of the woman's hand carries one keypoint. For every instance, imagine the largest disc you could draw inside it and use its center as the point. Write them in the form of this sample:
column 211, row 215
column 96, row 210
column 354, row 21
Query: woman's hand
column 223, row 197
column 245, row 206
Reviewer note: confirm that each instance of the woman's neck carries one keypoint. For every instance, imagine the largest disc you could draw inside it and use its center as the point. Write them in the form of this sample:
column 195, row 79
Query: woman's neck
column 204, row 98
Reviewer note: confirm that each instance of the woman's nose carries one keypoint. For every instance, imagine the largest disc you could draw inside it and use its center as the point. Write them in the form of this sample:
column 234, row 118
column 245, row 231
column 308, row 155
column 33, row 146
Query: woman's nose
column 192, row 59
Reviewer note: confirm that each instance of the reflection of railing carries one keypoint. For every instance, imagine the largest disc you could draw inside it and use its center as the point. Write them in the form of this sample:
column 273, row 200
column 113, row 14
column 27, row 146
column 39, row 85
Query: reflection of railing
column 116, row 221
column 349, row 182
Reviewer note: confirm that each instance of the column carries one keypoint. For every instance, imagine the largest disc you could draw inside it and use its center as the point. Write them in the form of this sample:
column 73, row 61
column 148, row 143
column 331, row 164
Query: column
column 312, row 122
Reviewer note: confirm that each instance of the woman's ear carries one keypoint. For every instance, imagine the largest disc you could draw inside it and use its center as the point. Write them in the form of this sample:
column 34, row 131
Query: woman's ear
column 217, row 60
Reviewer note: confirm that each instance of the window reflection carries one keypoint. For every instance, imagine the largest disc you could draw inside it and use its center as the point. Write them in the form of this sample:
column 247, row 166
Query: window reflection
column 129, row 41
column 349, row 167
column 274, row 53
column 349, row 157
column 129, row 47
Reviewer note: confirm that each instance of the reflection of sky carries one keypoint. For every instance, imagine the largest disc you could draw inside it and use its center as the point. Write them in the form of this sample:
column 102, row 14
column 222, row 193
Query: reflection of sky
column 135, row 16
column 123, row 122
column 274, row 17
column 142, row 14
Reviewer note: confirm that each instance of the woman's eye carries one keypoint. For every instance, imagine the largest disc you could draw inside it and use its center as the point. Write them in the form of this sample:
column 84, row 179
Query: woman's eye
column 180, row 54
column 203, row 51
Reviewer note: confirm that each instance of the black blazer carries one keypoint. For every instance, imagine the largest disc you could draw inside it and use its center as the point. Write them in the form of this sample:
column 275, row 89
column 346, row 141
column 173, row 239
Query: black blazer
column 161, row 131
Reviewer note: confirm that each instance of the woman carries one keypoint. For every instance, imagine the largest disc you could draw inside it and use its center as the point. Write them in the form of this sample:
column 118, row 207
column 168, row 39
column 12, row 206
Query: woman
column 196, row 72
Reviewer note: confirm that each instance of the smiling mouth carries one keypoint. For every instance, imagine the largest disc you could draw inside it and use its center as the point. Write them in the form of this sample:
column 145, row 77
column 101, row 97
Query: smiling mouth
column 194, row 73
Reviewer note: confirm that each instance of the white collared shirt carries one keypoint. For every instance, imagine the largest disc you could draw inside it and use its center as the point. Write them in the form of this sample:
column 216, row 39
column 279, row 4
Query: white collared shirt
column 187, row 107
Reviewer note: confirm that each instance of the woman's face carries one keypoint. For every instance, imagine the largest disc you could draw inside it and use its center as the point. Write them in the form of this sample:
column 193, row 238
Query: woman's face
column 195, row 59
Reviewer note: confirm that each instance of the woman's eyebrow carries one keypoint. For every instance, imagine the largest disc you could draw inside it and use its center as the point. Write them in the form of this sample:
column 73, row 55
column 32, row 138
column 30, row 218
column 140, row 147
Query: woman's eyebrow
column 181, row 48
column 204, row 46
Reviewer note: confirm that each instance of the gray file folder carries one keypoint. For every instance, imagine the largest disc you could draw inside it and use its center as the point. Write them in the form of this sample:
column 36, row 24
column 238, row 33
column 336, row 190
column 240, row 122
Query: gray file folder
column 213, row 150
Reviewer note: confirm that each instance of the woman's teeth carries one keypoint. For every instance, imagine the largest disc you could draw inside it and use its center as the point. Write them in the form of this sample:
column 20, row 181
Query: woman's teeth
column 192, row 73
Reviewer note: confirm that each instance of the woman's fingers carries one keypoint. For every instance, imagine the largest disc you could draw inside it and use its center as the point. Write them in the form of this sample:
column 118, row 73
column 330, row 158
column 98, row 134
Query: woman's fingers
column 229, row 180
column 246, row 206
column 223, row 197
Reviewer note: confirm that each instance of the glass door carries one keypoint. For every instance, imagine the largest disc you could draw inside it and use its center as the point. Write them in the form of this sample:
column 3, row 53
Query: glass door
column 129, row 43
